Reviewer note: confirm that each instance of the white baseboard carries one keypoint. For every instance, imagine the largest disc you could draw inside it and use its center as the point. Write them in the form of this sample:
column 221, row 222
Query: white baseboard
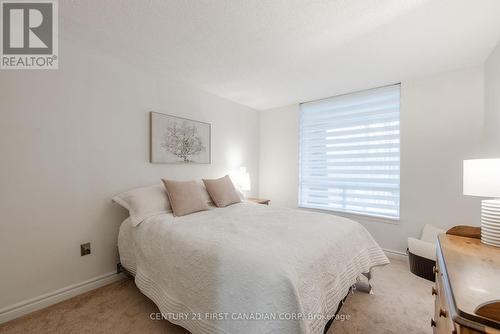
column 396, row 255
column 37, row 303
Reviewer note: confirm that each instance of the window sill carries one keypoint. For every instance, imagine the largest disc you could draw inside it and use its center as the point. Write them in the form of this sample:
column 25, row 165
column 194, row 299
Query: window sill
column 355, row 216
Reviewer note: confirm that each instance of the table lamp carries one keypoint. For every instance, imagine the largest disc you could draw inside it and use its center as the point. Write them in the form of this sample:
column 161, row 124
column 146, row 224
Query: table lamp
column 482, row 178
column 241, row 179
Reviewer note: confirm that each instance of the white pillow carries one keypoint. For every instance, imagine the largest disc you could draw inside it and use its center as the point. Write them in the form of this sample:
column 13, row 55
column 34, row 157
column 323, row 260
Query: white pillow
column 144, row 202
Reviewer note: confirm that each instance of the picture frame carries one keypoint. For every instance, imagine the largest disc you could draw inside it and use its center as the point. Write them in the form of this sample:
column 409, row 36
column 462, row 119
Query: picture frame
column 179, row 140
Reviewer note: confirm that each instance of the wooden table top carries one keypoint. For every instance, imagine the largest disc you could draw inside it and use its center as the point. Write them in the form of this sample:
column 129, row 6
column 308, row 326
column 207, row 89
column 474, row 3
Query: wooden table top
column 473, row 270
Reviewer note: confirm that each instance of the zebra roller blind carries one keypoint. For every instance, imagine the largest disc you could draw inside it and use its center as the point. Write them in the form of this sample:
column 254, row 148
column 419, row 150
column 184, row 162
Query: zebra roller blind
column 349, row 153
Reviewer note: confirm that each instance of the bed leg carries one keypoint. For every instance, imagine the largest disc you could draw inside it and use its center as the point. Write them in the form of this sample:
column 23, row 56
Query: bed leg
column 364, row 285
column 121, row 269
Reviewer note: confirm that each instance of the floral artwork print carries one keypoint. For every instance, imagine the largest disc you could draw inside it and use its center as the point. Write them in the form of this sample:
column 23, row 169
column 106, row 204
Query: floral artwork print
column 179, row 140
column 183, row 141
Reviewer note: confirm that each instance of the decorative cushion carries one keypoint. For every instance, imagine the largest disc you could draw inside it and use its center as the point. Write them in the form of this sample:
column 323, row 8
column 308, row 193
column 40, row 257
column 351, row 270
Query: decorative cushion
column 204, row 193
column 185, row 197
column 222, row 191
column 144, row 202
column 426, row 245
column 430, row 233
column 422, row 248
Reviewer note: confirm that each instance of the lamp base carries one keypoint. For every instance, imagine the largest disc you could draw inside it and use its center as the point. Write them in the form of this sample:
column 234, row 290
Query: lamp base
column 490, row 222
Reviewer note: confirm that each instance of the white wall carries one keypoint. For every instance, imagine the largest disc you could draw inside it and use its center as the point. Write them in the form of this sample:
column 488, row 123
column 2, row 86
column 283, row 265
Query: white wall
column 441, row 124
column 69, row 140
column 279, row 155
column 492, row 101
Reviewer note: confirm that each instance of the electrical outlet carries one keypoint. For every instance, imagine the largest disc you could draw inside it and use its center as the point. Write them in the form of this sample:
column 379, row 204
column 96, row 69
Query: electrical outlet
column 85, row 249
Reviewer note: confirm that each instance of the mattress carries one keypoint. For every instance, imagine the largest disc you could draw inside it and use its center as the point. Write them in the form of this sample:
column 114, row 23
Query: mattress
column 126, row 246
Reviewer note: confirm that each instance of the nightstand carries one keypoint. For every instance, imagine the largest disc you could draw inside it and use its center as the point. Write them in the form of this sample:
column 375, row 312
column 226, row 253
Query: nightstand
column 259, row 200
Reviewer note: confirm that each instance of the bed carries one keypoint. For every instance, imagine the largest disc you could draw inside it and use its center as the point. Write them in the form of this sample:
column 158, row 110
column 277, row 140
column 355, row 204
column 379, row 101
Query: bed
column 248, row 268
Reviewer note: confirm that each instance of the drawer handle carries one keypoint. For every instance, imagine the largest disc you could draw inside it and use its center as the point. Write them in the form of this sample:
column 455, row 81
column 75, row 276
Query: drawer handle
column 433, row 323
column 434, row 291
column 443, row 313
column 435, row 270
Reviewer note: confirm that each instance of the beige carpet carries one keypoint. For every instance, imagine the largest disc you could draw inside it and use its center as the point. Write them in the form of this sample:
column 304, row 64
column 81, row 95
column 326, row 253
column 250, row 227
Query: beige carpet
column 400, row 303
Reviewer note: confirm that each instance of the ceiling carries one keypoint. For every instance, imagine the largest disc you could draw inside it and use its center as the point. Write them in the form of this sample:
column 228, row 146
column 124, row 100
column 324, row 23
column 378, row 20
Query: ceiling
column 270, row 53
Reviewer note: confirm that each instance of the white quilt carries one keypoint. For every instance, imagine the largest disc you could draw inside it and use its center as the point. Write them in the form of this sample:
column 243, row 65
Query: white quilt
column 250, row 268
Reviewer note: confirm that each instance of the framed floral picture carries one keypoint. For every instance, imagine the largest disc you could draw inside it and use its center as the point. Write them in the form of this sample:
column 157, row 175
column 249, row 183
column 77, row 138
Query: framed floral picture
column 179, row 140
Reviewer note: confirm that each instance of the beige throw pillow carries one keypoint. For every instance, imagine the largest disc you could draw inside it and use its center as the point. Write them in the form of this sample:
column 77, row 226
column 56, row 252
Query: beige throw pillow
column 185, row 197
column 222, row 191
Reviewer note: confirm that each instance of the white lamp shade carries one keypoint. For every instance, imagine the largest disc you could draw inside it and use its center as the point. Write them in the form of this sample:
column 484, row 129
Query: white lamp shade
column 482, row 177
column 244, row 182
column 241, row 179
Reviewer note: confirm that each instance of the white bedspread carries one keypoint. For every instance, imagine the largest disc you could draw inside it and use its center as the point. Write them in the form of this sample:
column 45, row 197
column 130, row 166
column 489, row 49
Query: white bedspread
column 219, row 270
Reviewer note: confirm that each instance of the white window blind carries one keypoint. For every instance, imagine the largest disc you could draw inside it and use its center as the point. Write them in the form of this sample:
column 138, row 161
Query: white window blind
column 349, row 153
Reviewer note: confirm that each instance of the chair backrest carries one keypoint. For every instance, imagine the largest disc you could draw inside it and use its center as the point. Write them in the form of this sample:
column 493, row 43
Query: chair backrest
column 430, row 233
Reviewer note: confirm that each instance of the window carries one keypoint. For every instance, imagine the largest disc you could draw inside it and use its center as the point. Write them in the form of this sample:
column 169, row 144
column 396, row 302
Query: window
column 349, row 153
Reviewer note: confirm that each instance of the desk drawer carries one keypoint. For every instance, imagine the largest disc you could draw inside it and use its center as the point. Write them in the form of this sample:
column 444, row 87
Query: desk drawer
column 442, row 320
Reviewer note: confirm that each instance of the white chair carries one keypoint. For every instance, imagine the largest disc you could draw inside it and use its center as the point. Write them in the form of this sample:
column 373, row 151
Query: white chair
column 422, row 252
